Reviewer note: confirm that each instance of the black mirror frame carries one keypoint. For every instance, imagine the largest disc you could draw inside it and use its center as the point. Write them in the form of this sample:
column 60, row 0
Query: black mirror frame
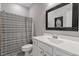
column 74, row 17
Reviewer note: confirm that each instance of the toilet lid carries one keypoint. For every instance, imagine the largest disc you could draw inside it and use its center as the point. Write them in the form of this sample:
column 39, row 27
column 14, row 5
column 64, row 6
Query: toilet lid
column 27, row 46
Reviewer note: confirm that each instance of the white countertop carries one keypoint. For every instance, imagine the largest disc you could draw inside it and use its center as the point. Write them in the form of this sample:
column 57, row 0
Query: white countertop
column 67, row 45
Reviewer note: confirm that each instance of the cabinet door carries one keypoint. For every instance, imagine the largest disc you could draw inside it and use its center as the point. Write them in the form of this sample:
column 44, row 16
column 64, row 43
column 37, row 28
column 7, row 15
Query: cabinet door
column 60, row 52
column 45, row 47
column 40, row 52
column 35, row 50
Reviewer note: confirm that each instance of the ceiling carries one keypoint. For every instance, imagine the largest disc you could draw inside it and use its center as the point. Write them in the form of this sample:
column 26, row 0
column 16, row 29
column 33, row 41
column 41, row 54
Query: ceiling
column 28, row 5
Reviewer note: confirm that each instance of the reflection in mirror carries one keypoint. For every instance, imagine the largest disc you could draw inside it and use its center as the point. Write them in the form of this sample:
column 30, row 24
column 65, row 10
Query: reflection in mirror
column 59, row 22
column 54, row 17
column 62, row 17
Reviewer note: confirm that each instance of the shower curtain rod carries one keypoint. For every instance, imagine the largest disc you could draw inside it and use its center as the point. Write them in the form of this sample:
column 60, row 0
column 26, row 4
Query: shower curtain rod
column 3, row 11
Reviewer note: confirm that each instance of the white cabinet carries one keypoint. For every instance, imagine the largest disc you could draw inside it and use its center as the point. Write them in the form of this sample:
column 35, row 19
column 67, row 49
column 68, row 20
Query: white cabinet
column 42, row 52
column 35, row 48
column 43, row 49
column 35, row 51
column 60, row 52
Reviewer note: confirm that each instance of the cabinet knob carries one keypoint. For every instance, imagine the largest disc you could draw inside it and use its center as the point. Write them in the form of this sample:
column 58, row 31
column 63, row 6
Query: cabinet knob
column 41, row 51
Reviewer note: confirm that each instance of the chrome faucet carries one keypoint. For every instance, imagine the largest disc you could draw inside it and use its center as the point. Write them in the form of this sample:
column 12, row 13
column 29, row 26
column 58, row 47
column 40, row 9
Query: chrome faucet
column 55, row 36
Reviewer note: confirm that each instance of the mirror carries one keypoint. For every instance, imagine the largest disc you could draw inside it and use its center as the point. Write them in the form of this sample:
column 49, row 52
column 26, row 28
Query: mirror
column 62, row 17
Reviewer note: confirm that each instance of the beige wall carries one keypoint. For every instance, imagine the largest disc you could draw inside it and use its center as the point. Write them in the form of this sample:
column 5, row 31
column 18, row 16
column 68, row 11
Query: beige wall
column 37, row 12
column 15, row 9
column 0, row 6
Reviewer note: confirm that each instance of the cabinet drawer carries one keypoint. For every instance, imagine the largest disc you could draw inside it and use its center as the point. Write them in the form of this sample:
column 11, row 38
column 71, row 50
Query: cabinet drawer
column 59, row 52
column 45, row 47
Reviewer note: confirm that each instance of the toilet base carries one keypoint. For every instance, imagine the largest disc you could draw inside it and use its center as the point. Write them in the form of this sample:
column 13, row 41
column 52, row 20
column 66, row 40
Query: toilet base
column 27, row 49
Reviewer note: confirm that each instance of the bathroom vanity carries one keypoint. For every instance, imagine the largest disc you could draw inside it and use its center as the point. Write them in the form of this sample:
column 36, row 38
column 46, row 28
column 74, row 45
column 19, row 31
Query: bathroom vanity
column 45, row 45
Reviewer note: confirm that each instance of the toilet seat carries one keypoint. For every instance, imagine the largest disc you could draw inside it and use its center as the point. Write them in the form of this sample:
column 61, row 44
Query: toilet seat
column 27, row 47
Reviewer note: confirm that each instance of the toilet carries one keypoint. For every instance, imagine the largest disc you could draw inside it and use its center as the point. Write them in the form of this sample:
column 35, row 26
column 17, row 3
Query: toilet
column 27, row 49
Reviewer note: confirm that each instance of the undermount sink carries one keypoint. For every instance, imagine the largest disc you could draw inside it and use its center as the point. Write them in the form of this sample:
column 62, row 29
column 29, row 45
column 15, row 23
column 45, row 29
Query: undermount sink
column 56, row 41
